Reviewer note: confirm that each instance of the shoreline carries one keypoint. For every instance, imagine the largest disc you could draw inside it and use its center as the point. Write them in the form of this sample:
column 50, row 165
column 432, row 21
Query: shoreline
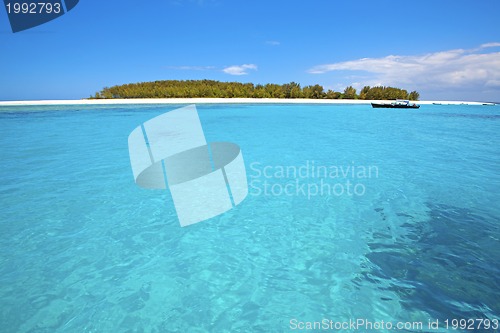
column 145, row 101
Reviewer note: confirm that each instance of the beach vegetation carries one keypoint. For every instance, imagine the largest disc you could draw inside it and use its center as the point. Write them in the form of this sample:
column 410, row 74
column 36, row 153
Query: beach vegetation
column 349, row 93
column 414, row 96
column 218, row 89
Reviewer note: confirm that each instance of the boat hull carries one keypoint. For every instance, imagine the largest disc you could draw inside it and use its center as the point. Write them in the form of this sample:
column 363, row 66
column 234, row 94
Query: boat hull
column 394, row 106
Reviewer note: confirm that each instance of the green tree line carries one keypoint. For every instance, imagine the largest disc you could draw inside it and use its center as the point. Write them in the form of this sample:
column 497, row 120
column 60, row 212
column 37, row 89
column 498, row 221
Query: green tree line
column 212, row 89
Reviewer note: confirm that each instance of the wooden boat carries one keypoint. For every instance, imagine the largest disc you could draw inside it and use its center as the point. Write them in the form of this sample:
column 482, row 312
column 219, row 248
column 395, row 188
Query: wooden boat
column 398, row 104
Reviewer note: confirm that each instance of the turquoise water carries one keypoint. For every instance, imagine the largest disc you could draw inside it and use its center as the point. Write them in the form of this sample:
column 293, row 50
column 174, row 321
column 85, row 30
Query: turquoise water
column 83, row 249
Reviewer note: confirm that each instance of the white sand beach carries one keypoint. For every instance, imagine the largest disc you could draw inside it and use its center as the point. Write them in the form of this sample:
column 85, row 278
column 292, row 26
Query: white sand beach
column 219, row 101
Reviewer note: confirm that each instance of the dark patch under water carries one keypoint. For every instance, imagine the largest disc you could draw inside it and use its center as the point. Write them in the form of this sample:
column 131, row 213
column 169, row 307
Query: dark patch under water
column 450, row 270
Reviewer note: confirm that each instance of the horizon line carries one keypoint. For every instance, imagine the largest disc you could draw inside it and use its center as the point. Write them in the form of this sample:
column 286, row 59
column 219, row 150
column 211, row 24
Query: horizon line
column 238, row 100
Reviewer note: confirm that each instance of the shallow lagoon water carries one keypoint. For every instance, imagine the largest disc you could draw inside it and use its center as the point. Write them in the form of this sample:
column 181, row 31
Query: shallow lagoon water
column 83, row 249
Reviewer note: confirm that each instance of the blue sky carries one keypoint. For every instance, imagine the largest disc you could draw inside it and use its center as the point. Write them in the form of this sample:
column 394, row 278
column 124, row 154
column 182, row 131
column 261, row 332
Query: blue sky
column 443, row 49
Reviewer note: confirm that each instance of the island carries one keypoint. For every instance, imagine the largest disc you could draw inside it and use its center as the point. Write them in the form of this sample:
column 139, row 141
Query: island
column 218, row 89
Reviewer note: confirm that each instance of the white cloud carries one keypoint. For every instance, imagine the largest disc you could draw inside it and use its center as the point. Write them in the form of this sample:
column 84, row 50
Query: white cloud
column 239, row 70
column 490, row 45
column 453, row 69
column 232, row 70
column 273, row 42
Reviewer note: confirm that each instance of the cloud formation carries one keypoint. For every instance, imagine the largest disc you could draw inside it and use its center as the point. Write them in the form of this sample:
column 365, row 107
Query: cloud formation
column 239, row 69
column 231, row 70
column 273, row 42
column 483, row 46
column 453, row 69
